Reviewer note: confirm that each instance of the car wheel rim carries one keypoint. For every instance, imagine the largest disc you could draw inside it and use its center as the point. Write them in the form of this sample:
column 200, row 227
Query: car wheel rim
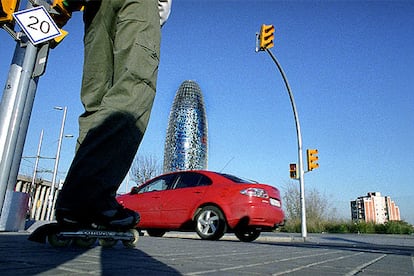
column 207, row 223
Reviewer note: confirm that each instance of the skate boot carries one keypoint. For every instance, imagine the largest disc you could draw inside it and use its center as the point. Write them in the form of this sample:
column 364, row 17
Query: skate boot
column 118, row 218
column 83, row 229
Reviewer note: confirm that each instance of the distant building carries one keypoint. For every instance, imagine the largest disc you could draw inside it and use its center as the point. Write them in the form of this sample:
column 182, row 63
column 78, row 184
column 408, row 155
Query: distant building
column 38, row 191
column 186, row 141
column 374, row 208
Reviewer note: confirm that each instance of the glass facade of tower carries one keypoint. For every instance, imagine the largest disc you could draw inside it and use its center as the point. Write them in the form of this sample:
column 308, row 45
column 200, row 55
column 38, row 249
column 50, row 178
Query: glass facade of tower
column 186, row 141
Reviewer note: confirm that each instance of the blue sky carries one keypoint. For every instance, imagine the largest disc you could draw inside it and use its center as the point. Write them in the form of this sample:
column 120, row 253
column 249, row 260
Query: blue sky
column 349, row 64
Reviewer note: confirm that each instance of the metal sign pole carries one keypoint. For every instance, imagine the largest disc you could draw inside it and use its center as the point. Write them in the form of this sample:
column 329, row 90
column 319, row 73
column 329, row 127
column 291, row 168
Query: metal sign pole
column 28, row 65
column 38, row 70
column 17, row 110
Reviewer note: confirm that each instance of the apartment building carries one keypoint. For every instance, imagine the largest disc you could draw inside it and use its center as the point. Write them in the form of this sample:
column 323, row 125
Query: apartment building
column 374, row 208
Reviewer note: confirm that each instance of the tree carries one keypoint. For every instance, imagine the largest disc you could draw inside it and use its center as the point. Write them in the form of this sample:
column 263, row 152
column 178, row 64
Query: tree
column 317, row 207
column 144, row 168
column 291, row 201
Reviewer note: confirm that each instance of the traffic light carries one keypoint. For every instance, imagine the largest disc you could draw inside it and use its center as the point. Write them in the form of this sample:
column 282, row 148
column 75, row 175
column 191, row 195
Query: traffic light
column 292, row 170
column 64, row 13
column 312, row 159
column 266, row 37
column 7, row 8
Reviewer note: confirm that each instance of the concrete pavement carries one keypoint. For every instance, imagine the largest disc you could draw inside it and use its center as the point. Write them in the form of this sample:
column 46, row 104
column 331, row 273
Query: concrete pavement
column 185, row 254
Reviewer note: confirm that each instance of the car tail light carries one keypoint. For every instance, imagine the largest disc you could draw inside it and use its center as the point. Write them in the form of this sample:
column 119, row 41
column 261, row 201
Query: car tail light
column 255, row 192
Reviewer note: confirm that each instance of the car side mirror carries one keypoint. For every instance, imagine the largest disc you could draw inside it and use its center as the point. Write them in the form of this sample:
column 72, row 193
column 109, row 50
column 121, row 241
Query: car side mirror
column 134, row 190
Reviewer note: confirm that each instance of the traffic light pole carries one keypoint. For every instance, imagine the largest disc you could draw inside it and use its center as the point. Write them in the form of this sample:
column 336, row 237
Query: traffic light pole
column 15, row 110
column 299, row 135
column 29, row 63
column 16, row 105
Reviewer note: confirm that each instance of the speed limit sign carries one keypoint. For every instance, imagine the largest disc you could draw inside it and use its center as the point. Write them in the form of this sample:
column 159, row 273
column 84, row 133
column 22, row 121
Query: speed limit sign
column 37, row 24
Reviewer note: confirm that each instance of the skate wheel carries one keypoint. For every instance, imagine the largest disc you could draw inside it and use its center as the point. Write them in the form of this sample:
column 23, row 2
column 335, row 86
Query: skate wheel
column 84, row 242
column 107, row 243
column 133, row 242
column 55, row 241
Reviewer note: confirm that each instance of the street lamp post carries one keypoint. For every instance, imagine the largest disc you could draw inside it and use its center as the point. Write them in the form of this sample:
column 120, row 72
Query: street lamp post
column 55, row 170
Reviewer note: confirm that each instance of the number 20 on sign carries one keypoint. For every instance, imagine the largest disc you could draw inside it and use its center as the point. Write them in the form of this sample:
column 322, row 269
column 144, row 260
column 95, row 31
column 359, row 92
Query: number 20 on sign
column 37, row 24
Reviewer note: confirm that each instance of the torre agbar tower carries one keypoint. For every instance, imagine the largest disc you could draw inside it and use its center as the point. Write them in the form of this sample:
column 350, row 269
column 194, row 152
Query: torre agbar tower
column 186, row 141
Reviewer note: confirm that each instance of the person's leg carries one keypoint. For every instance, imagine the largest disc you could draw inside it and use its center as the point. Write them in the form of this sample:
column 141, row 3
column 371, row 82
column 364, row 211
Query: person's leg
column 115, row 120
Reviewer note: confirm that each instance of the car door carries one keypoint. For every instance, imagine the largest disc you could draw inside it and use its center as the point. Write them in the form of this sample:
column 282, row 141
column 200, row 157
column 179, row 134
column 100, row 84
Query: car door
column 180, row 202
column 149, row 199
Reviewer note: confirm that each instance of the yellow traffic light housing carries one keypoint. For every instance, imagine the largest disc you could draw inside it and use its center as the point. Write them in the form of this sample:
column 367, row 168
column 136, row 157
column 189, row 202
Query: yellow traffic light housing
column 63, row 12
column 7, row 8
column 293, row 171
column 266, row 37
column 312, row 155
column 57, row 40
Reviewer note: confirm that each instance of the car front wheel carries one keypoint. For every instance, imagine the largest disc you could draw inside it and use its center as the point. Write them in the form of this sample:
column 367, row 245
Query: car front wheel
column 210, row 223
column 247, row 235
column 156, row 232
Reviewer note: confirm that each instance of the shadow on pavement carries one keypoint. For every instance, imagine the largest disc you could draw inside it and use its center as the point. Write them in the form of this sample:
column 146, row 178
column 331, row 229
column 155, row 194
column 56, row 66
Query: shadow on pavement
column 122, row 261
column 360, row 247
column 18, row 256
column 330, row 242
column 337, row 239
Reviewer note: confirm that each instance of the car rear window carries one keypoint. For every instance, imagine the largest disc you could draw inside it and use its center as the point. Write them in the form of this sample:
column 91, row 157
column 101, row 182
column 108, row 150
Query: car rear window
column 237, row 179
column 186, row 180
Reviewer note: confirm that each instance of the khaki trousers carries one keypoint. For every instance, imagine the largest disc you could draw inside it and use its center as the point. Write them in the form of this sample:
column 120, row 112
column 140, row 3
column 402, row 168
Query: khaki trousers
column 122, row 44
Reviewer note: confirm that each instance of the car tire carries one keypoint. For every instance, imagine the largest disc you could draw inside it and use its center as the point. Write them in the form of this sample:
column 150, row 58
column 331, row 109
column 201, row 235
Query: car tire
column 210, row 223
column 156, row 232
column 247, row 235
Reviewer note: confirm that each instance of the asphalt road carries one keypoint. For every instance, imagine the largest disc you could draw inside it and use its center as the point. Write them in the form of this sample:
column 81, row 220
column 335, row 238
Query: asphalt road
column 185, row 254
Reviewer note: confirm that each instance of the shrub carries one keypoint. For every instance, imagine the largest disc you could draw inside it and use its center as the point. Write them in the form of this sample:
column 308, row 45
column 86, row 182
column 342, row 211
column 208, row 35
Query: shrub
column 336, row 227
column 398, row 227
column 362, row 227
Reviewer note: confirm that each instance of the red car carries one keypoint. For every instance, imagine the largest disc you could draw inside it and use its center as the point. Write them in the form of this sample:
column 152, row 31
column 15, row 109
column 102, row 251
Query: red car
column 208, row 202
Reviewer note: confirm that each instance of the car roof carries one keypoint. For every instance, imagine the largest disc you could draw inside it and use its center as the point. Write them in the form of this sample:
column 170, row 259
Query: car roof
column 228, row 177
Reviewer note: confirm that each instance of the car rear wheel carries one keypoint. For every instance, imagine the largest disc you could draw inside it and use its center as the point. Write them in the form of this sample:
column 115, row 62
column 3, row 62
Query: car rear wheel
column 247, row 235
column 210, row 223
column 156, row 232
